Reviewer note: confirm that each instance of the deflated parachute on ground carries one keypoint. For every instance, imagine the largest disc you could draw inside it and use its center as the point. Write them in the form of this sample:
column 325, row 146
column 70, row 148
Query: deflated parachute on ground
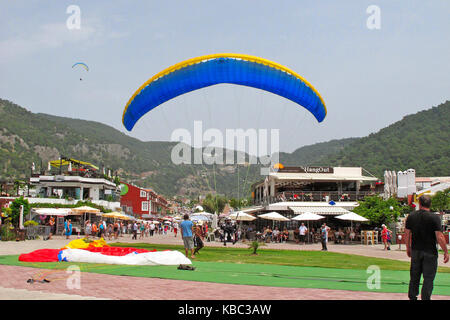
column 213, row 69
column 99, row 252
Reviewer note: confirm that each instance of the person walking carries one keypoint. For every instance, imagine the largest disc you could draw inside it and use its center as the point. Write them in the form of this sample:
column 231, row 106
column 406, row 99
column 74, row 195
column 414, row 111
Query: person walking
column 142, row 229
column 199, row 236
column 228, row 231
column 68, row 229
column 88, row 229
column 385, row 236
column 422, row 233
column 187, row 233
column 94, row 230
column 324, row 236
column 135, row 229
column 52, row 225
column 175, row 228
column 152, row 228
column 100, row 229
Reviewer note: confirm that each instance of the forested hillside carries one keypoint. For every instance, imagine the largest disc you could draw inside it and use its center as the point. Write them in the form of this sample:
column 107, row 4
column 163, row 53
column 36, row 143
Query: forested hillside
column 419, row 141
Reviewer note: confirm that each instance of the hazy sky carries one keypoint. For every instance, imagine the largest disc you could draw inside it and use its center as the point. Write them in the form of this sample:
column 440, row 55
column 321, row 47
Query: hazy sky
column 367, row 78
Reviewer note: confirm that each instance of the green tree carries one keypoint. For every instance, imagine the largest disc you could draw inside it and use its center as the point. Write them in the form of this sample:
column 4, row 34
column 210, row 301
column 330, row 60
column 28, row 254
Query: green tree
column 380, row 211
column 214, row 203
column 441, row 201
column 15, row 210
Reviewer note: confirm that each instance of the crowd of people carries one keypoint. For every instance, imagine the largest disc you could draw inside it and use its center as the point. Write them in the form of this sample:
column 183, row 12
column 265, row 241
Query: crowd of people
column 273, row 235
column 118, row 228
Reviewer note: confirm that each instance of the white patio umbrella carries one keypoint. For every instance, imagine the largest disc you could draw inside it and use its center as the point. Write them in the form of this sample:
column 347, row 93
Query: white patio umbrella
column 85, row 210
column 274, row 216
column 241, row 216
column 199, row 218
column 351, row 216
column 308, row 216
column 207, row 214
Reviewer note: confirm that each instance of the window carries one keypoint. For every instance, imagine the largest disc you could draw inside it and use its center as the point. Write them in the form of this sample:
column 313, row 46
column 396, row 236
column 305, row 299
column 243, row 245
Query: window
column 144, row 206
column 143, row 194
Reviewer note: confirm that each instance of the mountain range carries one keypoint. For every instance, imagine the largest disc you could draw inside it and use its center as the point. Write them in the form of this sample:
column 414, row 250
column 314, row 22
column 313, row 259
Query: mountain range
column 419, row 141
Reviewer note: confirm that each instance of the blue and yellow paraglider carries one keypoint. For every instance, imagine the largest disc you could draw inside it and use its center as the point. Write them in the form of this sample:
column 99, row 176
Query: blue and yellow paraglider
column 214, row 69
column 81, row 65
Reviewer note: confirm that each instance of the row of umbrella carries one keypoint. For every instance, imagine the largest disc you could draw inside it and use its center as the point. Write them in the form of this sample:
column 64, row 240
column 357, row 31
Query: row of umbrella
column 307, row 216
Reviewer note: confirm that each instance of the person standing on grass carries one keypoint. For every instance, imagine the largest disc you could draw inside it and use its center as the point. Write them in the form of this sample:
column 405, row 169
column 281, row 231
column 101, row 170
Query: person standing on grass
column 423, row 231
column 324, row 236
column 187, row 233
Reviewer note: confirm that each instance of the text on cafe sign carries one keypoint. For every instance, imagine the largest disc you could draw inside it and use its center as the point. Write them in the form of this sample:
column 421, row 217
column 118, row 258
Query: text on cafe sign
column 307, row 169
column 317, row 169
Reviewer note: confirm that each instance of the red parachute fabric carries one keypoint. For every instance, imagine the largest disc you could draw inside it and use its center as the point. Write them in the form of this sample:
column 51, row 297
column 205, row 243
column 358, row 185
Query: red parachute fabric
column 41, row 255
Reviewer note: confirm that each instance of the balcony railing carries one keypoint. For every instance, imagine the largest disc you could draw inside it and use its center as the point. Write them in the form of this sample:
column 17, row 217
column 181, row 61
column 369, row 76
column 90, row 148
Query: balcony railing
column 305, row 196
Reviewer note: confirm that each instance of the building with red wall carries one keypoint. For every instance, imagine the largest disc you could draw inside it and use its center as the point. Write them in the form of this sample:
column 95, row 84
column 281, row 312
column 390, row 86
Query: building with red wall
column 138, row 201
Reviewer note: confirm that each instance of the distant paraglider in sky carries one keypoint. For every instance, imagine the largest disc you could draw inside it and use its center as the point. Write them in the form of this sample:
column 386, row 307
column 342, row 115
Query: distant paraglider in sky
column 81, row 65
column 214, row 69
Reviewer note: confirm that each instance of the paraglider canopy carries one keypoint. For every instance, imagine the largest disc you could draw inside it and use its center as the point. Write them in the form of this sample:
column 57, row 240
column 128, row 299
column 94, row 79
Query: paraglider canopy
column 81, row 65
column 219, row 68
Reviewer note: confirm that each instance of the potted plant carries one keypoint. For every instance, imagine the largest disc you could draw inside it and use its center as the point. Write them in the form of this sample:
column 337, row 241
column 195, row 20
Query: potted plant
column 255, row 245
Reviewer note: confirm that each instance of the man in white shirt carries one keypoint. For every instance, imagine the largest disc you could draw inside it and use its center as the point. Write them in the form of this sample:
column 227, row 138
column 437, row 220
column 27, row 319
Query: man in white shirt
column 152, row 229
column 302, row 233
column 275, row 234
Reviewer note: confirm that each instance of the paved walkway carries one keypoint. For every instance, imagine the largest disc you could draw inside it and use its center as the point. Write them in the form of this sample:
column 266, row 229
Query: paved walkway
column 14, row 286
column 133, row 288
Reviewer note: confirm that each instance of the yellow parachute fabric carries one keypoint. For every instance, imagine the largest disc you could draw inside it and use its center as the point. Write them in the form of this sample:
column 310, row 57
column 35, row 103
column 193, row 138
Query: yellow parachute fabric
column 82, row 244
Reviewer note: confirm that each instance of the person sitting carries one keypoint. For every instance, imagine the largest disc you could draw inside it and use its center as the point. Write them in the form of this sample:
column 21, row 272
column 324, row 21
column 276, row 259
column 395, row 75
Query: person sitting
column 296, row 235
column 284, row 236
column 276, row 235
column 263, row 234
column 352, row 235
column 268, row 236
column 336, row 237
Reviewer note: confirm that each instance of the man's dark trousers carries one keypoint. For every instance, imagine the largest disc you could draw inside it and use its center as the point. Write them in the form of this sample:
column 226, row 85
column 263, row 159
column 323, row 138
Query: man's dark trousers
column 324, row 244
column 422, row 263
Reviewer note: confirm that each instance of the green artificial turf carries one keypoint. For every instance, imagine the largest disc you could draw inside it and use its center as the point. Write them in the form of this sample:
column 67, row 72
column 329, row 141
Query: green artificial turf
column 276, row 268
column 285, row 257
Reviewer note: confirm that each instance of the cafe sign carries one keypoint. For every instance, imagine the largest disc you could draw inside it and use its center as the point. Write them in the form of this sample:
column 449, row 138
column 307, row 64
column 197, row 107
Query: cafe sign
column 317, row 169
column 307, row 169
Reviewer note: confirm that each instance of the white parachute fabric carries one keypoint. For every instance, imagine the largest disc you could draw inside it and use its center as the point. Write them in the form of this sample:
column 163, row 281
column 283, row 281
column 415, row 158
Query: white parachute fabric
column 164, row 258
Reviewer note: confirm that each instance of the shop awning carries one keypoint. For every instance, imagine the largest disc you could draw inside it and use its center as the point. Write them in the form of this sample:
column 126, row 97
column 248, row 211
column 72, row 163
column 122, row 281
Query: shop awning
column 53, row 211
column 325, row 210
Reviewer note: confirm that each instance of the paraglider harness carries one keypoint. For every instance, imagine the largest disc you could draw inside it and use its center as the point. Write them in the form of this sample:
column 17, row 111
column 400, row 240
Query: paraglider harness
column 228, row 232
